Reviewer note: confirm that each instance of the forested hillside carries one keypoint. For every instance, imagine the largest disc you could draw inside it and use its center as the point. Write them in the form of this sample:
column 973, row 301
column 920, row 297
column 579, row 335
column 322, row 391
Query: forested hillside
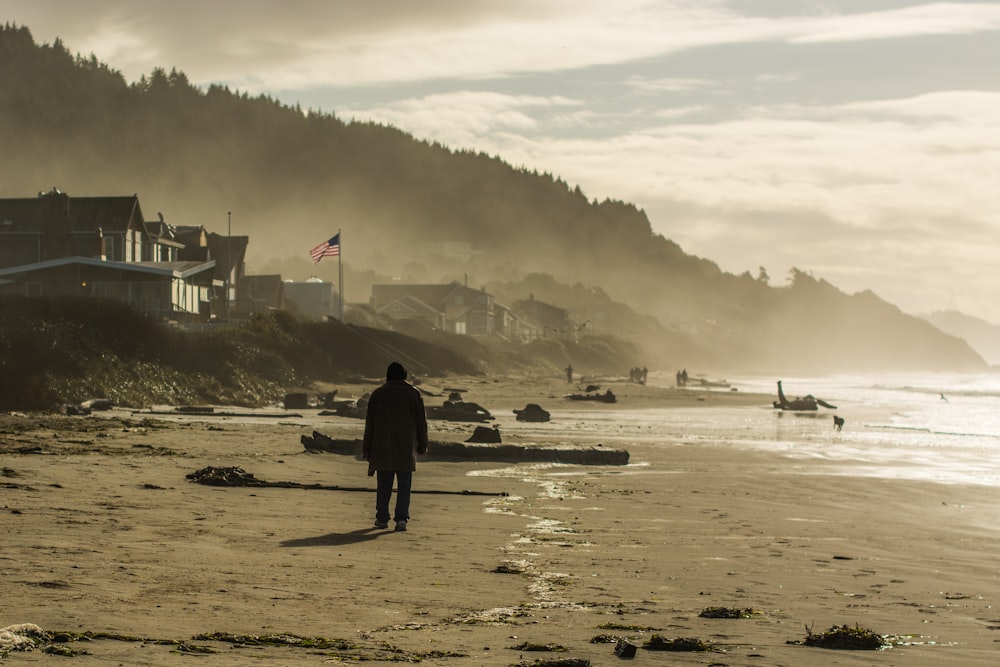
column 983, row 336
column 423, row 212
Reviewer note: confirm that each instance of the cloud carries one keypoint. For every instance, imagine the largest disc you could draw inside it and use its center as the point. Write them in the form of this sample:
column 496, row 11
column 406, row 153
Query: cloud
column 921, row 20
column 258, row 45
column 980, row 106
column 658, row 86
column 464, row 118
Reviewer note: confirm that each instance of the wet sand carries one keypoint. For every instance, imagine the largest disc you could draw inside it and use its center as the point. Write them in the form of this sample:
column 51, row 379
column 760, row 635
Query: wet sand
column 104, row 533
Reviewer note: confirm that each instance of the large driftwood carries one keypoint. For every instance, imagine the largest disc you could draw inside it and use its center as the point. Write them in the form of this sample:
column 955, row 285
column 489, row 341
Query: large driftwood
column 200, row 411
column 469, row 451
column 801, row 404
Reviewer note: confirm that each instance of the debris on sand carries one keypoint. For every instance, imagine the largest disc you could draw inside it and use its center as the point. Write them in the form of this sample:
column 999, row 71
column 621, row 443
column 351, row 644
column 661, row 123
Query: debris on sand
column 681, row 644
column 29, row 637
column 626, row 628
column 625, row 649
column 532, row 412
column 510, row 568
column 557, row 662
column 482, row 434
column 22, row 637
column 324, row 443
column 729, row 612
column 847, row 638
column 235, row 476
column 355, row 409
column 606, row 397
column 279, row 639
column 459, row 410
column 530, row 646
column 224, row 476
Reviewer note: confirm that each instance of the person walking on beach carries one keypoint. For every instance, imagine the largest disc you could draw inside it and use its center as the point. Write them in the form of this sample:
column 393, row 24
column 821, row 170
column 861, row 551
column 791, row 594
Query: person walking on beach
column 395, row 432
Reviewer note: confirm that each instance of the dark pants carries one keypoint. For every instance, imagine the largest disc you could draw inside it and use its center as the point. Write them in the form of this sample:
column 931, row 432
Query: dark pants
column 404, row 480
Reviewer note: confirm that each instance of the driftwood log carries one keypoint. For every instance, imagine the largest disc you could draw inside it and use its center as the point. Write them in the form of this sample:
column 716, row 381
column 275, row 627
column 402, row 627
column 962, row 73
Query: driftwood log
column 468, row 451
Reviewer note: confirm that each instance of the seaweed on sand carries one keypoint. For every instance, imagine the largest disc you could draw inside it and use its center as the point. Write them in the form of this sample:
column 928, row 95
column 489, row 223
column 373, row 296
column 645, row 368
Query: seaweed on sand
column 339, row 649
column 847, row 638
column 530, row 646
column 685, row 644
column 509, row 568
column 282, row 639
column 59, row 638
column 556, row 662
column 728, row 612
column 225, row 476
column 626, row 628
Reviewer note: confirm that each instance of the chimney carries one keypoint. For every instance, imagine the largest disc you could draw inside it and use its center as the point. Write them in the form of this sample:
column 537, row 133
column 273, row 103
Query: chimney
column 54, row 223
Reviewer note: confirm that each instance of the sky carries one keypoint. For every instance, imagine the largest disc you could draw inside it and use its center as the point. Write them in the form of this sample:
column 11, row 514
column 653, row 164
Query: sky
column 855, row 140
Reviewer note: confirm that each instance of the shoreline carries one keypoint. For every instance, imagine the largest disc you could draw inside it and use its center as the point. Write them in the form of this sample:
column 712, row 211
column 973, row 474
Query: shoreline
column 105, row 534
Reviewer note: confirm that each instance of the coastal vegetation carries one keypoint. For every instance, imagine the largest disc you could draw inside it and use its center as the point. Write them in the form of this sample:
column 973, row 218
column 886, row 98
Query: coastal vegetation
column 66, row 350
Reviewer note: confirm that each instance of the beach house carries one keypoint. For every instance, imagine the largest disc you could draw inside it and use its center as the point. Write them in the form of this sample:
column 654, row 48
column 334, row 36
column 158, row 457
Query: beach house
column 54, row 244
column 450, row 307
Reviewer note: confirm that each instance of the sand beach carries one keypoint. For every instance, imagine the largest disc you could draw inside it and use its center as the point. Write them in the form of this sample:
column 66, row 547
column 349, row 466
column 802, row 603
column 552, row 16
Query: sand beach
column 104, row 533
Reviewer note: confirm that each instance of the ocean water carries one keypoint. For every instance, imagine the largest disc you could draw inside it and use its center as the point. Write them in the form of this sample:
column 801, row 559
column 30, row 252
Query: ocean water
column 942, row 428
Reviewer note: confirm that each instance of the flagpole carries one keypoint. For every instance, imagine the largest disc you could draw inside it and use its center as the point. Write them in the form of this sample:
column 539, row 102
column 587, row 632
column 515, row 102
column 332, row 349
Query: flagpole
column 340, row 269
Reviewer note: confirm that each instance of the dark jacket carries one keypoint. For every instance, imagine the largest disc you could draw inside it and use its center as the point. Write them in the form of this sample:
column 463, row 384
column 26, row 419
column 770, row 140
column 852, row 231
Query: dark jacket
column 395, row 427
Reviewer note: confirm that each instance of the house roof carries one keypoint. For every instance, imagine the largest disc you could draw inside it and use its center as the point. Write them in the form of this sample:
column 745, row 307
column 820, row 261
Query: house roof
column 539, row 307
column 82, row 214
column 191, row 235
column 412, row 305
column 227, row 251
column 108, row 213
column 165, row 269
column 18, row 215
column 432, row 295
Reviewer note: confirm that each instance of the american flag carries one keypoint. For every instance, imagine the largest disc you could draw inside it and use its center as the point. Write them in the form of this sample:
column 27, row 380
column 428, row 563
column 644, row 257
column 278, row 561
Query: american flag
column 330, row 248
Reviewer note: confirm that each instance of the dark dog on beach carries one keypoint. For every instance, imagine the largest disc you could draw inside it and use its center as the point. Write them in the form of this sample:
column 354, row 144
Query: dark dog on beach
column 838, row 423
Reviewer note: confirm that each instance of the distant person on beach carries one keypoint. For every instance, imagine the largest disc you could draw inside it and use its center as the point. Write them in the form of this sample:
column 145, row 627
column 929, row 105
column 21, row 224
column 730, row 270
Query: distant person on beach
column 395, row 432
column 569, row 374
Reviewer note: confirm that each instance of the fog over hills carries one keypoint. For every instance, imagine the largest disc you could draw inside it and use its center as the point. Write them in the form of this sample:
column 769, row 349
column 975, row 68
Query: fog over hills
column 983, row 336
column 421, row 212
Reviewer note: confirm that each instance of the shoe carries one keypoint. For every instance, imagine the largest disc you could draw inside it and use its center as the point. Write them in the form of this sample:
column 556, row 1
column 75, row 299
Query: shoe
column 381, row 524
column 400, row 526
